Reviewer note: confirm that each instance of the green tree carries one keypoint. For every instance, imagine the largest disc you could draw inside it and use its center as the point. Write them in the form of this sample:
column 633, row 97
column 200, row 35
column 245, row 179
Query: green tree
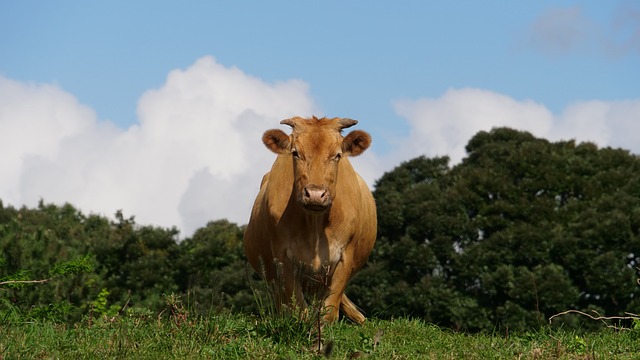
column 522, row 229
column 136, row 263
column 38, row 246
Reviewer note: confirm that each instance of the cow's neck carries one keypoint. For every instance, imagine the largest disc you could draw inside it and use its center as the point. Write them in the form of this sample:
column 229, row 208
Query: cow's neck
column 309, row 237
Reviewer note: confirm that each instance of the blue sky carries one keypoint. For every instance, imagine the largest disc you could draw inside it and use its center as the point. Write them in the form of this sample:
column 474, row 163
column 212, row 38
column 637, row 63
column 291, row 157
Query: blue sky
column 421, row 76
column 357, row 56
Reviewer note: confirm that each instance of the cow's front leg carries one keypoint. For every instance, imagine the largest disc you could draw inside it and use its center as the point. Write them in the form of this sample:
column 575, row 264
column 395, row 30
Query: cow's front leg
column 338, row 282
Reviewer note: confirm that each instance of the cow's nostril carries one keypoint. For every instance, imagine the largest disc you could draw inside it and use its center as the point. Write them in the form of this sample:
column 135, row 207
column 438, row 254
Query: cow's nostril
column 315, row 194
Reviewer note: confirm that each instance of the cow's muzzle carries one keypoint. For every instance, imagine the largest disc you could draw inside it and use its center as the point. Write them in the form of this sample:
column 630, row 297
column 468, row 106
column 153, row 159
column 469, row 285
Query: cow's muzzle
column 315, row 199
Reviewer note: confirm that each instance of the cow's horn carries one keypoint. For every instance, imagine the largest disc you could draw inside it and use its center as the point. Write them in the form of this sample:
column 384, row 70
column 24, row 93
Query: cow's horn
column 287, row 122
column 346, row 122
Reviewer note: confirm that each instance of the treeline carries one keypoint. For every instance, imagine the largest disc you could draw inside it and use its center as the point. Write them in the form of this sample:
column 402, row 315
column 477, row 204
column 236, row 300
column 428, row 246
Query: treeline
column 132, row 266
column 521, row 230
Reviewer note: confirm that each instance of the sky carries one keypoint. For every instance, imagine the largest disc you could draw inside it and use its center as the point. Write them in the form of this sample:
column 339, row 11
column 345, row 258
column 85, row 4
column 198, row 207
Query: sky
column 157, row 108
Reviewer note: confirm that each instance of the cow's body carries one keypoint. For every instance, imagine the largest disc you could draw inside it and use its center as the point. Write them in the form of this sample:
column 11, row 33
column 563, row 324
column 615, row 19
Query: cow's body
column 314, row 214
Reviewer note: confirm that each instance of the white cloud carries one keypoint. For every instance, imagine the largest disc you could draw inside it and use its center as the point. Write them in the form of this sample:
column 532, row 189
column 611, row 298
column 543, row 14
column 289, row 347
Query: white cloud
column 195, row 155
column 23, row 133
column 444, row 125
column 607, row 123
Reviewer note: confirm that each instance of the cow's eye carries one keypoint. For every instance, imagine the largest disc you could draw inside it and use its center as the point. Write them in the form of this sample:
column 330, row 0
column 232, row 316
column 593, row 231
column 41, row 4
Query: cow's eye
column 337, row 157
column 295, row 154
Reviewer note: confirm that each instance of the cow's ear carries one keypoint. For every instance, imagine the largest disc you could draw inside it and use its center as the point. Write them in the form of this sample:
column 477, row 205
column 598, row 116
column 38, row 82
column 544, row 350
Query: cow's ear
column 356, row 142
column 276, row 141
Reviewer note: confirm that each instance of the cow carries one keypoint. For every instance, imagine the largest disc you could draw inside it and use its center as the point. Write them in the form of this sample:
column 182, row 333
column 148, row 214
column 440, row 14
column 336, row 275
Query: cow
column 313, row 212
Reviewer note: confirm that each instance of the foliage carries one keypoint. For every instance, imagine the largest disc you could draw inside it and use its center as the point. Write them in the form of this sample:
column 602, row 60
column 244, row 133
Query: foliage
column 115, row 264
column 39, row 246
column 20, row 279
column 522, row 229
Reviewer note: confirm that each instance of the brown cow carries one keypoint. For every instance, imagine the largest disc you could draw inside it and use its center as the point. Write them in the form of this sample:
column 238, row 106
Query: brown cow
column 313, row 212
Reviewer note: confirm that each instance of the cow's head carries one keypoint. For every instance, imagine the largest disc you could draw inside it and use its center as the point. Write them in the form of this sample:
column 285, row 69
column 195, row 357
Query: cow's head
column 316, row 146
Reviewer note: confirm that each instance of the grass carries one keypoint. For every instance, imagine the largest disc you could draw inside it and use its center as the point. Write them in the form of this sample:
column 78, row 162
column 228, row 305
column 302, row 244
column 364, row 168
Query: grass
column 235, row 336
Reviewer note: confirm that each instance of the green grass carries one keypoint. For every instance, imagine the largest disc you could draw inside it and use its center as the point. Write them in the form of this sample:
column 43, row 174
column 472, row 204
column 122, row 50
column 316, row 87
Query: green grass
column 234, row 336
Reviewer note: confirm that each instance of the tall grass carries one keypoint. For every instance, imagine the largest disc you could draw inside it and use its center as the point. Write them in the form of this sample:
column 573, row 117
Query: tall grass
column 289, row 323
column 140, row 335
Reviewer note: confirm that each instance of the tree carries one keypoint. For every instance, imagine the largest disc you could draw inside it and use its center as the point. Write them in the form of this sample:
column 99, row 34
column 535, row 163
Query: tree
column 38, row 246
column 522, row 229
column 136, row 263
column 132, row 265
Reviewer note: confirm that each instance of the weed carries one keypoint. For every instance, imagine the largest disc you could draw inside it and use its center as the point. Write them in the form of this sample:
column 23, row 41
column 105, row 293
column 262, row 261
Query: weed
column 178, row 314
column 578, row 345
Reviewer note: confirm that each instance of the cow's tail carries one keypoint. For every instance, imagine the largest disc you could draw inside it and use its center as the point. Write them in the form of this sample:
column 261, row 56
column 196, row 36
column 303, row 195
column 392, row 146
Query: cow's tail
column 351, row 310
